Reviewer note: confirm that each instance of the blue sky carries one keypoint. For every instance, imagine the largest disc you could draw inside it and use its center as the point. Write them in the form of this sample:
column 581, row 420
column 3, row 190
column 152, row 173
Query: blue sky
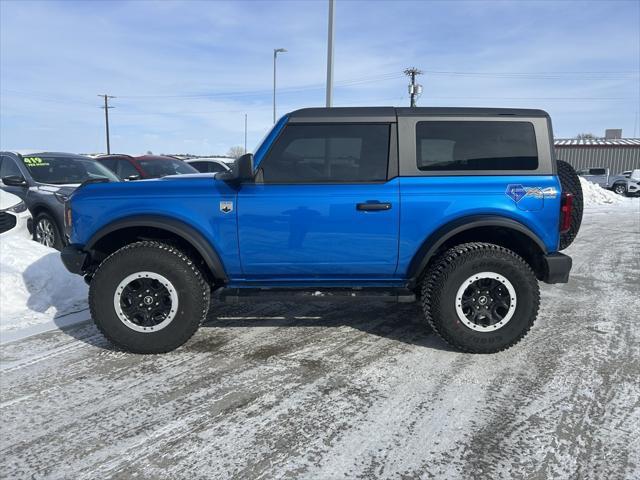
column 185, row 73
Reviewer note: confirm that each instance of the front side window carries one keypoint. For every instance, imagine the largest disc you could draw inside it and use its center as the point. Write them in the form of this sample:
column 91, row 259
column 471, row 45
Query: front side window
column 60, row 170
column 465, row 145
column 9, row 168
column 329, row 153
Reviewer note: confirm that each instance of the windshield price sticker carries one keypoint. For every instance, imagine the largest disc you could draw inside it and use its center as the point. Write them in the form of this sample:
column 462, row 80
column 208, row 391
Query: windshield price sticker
column 35, row 162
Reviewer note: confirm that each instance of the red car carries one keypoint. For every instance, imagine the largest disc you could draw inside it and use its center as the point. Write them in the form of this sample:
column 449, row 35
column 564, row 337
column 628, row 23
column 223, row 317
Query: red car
column 145, row 166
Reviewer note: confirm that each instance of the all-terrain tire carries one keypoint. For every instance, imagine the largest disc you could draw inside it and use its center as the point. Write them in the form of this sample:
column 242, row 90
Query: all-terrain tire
column 570, row 183
column 184, row 279
column 452, row 269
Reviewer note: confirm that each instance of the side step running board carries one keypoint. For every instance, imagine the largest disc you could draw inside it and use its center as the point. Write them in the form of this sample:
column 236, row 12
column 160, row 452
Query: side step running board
column 238, row 295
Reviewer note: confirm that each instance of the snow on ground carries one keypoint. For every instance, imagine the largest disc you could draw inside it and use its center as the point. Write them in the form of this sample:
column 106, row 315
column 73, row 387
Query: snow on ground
column 35, row 288
column 596, row 195
column 335, row 390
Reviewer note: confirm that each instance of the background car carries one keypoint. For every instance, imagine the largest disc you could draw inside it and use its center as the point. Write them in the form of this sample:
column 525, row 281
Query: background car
column 208, row 165
column 14, row 214
column 597, row 175
column 626, row 183
column 145, row 166
column 44, row 181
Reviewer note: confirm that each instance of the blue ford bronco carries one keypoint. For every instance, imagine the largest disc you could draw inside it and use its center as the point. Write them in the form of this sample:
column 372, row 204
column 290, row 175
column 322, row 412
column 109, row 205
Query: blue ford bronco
column 461, row 209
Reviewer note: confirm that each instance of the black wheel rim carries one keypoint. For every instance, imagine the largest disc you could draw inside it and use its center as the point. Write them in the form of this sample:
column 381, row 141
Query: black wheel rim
column 486, row 301
column 146, row 301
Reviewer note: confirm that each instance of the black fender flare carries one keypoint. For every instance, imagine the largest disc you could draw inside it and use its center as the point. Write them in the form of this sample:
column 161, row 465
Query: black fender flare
column 177, row 227
column 431, row 245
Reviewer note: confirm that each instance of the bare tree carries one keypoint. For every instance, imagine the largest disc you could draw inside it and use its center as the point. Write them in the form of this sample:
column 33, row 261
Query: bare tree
column 586, row 136
column 235, row 152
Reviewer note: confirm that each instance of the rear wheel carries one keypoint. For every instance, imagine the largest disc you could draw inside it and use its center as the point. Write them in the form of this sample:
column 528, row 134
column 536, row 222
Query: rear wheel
column 148, row 297
column 480, row 297
column 570, row 183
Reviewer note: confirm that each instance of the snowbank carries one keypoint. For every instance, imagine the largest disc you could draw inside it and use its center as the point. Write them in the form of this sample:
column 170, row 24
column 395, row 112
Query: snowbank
column 35, row 287
column 596, row 195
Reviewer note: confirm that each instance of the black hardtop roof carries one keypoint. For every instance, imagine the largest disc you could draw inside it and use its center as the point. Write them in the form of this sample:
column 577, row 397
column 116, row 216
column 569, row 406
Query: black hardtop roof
column 413, row 111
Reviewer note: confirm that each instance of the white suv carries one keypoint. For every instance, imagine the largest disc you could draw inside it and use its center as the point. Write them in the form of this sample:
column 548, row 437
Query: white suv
column 14, row 214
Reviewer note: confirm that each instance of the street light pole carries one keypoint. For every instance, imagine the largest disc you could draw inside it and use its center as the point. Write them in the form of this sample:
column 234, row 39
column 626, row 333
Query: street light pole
column 245, row 133
column 330, row 56
column 275, row 55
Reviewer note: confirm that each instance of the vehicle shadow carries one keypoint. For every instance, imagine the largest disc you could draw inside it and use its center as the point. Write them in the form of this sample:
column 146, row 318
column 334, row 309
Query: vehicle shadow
column 400, row 322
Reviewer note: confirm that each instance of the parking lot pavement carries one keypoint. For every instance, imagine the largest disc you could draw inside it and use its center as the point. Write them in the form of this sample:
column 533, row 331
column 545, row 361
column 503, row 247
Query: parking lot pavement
column 335, row 390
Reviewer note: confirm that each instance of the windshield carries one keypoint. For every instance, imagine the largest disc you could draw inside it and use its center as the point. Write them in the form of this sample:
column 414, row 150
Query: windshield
column 161, row 167
column 59, row 170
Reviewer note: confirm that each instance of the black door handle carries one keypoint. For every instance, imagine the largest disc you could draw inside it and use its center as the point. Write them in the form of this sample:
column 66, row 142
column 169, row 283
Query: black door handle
column 373, row 207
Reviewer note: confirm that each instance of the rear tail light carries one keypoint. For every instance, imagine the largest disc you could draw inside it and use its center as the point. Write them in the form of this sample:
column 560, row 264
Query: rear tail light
column 566, row 209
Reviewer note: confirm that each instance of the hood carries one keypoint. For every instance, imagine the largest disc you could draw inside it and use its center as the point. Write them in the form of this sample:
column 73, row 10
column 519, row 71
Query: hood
column 635, row 175
column 64, row 190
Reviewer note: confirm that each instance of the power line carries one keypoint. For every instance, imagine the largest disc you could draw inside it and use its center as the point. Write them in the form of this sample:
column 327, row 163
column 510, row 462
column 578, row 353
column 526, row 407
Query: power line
column 106, row 118
column 414, row 90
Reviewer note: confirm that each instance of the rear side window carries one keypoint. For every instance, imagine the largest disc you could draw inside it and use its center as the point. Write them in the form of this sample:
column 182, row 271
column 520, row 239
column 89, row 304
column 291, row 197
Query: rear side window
column 329, row 153
column 597, row 171
column 465, row 145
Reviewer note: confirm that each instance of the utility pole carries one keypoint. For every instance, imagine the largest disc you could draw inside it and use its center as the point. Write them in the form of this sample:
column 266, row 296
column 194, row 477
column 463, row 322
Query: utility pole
column 276, row 51
column 245, row 133
column 106, row 118
column 330, row 56
column 415, row 90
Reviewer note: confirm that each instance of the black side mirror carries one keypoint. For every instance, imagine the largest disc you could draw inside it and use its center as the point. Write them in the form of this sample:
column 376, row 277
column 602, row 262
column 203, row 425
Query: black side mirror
column 241, row 171
column 14, row 181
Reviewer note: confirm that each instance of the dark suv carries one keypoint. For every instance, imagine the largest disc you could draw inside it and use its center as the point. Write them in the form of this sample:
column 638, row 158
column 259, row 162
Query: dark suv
column 44, row 181
column 145, row 166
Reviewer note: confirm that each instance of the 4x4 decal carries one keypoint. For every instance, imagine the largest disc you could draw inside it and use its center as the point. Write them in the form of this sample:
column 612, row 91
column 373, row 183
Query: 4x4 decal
column 517, row 192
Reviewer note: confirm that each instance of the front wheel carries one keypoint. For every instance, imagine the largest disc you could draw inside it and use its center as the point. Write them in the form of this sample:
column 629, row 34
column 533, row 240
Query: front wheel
column 46, row 232
column 480, row 297
column 148, row 297
column 620, row 189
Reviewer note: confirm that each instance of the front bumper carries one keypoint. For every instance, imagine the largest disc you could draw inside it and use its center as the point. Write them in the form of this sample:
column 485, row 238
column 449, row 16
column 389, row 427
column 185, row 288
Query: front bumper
column 557, row 267
column 74, row 259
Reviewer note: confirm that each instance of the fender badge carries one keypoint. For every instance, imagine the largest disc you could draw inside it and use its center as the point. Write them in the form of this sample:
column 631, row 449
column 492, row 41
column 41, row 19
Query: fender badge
column 226, row 207
column 515, row 192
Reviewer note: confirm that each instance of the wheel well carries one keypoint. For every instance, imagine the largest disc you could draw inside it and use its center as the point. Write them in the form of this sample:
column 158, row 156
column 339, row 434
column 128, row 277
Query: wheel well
column 117, row 239
column 38, row 209
column 514, row 240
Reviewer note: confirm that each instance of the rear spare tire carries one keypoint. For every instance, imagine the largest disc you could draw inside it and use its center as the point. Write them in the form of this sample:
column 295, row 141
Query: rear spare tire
column 570, row 183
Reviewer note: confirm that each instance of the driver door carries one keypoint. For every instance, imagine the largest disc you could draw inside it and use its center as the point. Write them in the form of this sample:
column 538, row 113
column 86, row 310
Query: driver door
column 323, row 207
